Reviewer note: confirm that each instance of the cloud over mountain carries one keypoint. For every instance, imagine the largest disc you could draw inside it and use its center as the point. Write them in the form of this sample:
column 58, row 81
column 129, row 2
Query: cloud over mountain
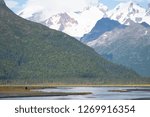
column 129, row 0
column 11, row 3
column 55, row 6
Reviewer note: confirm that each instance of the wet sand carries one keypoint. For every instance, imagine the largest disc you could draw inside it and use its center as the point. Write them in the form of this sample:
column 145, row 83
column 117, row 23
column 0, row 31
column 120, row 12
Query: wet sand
column 27, row 91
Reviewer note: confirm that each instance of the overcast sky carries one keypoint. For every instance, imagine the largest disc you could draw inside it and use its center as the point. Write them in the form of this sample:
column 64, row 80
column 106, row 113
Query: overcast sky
column 17, row 5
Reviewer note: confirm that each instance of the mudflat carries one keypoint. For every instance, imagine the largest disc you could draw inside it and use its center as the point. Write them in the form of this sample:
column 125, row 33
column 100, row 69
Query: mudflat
column 28, row 91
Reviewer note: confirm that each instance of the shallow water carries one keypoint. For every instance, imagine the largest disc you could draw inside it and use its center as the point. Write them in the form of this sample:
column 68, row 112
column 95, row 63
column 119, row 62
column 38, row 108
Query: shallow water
column 98, row 93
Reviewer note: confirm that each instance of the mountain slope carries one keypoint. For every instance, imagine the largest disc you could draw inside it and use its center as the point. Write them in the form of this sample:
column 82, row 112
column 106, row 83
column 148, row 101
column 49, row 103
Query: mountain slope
column 129, row 47
column 31, row 53
column 102, row 26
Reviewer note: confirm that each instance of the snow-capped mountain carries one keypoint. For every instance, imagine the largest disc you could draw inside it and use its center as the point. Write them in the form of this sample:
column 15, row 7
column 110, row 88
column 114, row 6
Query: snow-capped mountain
column 60, row 22
column 127, row 46
column 76, row 23
column 121, row 35
column 124, row 12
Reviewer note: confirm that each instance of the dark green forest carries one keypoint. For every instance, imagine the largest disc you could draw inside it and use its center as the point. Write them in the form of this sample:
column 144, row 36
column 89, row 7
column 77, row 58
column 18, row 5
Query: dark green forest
column 31, row 53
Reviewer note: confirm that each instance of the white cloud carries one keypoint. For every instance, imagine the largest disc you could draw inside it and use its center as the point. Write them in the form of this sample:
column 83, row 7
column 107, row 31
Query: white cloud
column 60, row 5
column 130, row 0
column 11, row 3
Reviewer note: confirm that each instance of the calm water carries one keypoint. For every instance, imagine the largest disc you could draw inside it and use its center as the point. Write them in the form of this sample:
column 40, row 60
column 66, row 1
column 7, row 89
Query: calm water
column 98, row 93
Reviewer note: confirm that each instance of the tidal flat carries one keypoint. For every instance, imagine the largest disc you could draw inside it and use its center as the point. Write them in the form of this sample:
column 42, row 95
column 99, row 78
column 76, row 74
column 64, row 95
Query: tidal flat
column 75, row 92
column 29, row 91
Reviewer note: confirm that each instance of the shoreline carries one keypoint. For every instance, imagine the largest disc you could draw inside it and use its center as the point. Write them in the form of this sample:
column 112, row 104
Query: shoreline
column 39, row 94
column 19, row 91
column 74, row 85
column 28, row 91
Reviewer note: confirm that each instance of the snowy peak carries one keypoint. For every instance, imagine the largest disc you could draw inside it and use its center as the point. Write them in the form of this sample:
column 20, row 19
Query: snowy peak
column 75, row 23
column 99, row 6
column 127, row 11
column 60, row 21
column 79, row 22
